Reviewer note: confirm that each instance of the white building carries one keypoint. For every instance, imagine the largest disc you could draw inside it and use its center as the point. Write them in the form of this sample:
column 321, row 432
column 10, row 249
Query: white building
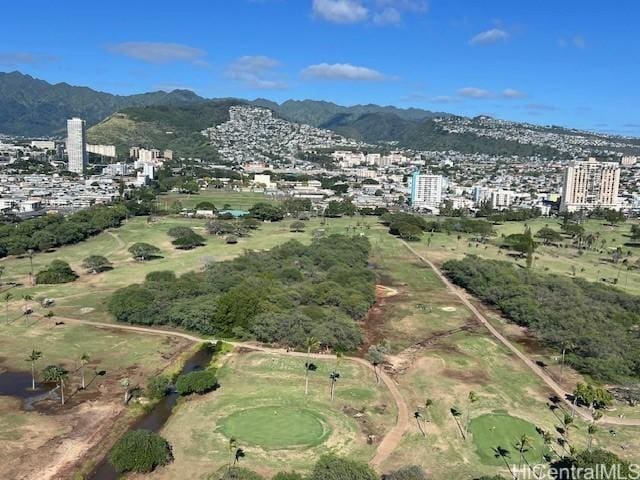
column 102, row 150
column 501, row 198
column 262, row 179
column 77, row 145
column 426, row 191
column 590, row 184
column 148, row 170
column 43, row 144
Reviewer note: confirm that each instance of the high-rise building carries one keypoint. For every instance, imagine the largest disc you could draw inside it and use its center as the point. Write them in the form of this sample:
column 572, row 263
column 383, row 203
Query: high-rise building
column 426, row 191
column 77, row 145
column 591, row 184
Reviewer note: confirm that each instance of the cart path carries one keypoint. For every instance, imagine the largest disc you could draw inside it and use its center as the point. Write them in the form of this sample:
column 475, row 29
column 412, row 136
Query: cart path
column 544, row 376
column 389, row 442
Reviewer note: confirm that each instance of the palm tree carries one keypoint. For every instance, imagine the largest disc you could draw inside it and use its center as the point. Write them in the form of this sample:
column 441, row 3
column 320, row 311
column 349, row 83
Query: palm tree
column 455, row 413
column 471, row 399
column 240, row 453
column 312, row 344
column 126, row 383
column 591, row 431
column 232, row 449
column 503, row 453
column 418, row 416
column 333, row 376
column 547, row 439
column 567, row 422
column 84, row 359
column 48, row 315
column 57, row 375
column 7, row 298
column 27, row 308
column 565, row 346
column 30, row 255
column 523, row 445
column 33, row 358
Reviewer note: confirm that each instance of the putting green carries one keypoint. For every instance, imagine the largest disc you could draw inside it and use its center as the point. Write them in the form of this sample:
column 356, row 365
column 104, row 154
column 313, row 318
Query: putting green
column 276, row 427
column 499, row 429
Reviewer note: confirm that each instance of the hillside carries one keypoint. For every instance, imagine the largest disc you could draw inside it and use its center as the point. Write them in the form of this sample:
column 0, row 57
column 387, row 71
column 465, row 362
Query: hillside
column 32, row 107
column 165, row 127
column 426, row 134
column 317, row 113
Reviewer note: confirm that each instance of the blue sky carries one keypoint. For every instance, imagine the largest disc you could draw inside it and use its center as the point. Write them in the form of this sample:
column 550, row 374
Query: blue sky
column 568, row 62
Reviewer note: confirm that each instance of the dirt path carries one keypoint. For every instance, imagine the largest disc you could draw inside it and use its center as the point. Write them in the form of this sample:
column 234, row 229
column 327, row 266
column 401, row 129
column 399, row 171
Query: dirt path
column 544, row 376
column 388, row 443
column 118, row 240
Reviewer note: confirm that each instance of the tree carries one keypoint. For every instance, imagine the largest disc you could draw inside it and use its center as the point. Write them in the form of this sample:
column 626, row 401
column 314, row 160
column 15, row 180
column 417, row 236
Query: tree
column 523, row 445
column 188, row 241
column 30, row 255
column 376, row 355
column 125, row 383
column 232, row 446
column 84, row 359
column 58, row 375
column 418, row 416
column 57, row 272
column 143, row 251
column 209, row 206
column 199, row 381
column 7, row 298
column 549, row 235
column 297, row 227
column 26, row 308
column 158, row 386
column 503, row 453
column 471, row 399
column 332, row 467
column 96, row 264
column 33, row 358
column 266, row 212
column 311, row 344
column 140, row 451
column 456, row 414
column 410, row 472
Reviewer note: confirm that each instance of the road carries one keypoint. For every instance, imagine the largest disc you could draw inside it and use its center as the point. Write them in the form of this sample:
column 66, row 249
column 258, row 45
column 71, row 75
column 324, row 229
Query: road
column 544, row 376
column 387, row 444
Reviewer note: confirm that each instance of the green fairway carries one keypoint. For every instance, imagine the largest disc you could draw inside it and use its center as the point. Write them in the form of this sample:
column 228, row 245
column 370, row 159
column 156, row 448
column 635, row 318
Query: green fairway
column 276, row 427
column 493, row 430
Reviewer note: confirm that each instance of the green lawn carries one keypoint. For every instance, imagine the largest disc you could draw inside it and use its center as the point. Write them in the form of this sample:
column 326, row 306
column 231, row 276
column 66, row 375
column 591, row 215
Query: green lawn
column 275, row 427
column 261, row 402
column 493, row 430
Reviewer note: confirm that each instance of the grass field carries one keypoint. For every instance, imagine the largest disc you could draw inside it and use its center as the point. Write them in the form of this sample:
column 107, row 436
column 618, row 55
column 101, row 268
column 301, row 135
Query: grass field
column 439, row 352
column 262, row 404
column 593, row 265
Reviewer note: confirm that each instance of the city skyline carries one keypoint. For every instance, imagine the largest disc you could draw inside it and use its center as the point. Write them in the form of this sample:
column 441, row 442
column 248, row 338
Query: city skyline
column 508, row 61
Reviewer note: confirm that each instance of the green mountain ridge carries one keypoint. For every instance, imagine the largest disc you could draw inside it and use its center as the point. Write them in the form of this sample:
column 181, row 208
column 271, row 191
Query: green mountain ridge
column 31, row 107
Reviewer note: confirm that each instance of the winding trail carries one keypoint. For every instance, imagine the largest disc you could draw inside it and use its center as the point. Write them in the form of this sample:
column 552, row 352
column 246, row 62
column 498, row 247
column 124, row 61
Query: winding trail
column 544, row 376
column 388, row 443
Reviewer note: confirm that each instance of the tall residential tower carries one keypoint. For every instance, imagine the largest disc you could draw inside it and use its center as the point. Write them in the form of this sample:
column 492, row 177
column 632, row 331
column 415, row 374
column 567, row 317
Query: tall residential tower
column 591, row 184
column 77, row 145
column 426, row 191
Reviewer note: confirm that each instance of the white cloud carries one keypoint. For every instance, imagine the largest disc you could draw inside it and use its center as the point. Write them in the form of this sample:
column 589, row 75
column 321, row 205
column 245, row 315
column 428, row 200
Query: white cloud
column 489, row 36
column 14, row 59
column 513, row 93
column 256, row 72
column 158, row 52
column 578, row 42
column 340, row 11
column 388, row 16
column 342, row 71
column 445, row 99
column 474, row 92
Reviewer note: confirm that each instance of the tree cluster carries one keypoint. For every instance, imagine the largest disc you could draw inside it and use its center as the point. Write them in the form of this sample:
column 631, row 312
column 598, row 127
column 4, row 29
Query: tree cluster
column 282, row 296
column 57, row 272
column 597, row 321
column 140, row 451
column 200, row 381
column 53, row 230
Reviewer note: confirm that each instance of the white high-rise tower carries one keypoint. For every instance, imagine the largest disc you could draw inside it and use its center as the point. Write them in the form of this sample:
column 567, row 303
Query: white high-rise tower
column 77, row 145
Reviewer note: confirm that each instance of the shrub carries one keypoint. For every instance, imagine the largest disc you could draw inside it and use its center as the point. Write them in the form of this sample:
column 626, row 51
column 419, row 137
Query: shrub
column 58, row 272
column 176, row 232
column 205, row 206
column 158, row 386
column 237, row 473
column 140, row 451
column 332, row 467
column 161, row 276
column 143, row 251
column 202, row 381
column 410, row 472
column 96, row 264
column 189, row 241
column 287, row 476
